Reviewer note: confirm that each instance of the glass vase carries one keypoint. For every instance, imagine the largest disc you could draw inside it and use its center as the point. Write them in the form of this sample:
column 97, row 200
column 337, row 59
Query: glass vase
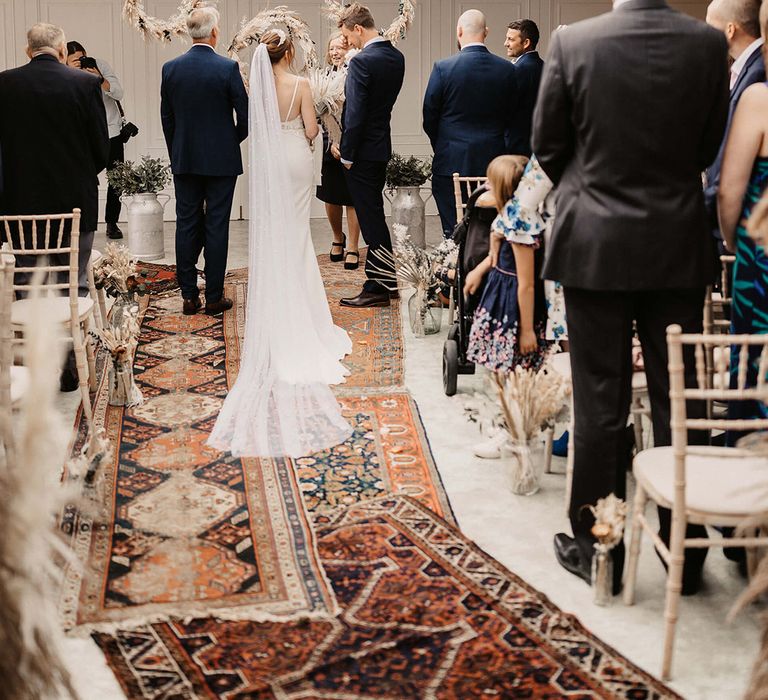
column 525, row 465
column 126, row 305
column 602, row 575
column 424, row 318
column 123, row 390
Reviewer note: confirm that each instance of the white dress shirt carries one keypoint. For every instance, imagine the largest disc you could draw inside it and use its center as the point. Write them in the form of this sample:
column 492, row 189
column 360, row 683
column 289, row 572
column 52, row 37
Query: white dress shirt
column 741, row 61
column 110, row 97
column 473, row 43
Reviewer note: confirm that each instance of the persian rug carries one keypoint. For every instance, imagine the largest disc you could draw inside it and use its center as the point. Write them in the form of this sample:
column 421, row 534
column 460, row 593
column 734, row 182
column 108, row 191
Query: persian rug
column 185, row 530
column 425, row 614
column 160, row 277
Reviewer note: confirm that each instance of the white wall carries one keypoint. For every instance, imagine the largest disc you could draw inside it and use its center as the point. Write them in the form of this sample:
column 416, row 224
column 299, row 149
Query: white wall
column 98, row 25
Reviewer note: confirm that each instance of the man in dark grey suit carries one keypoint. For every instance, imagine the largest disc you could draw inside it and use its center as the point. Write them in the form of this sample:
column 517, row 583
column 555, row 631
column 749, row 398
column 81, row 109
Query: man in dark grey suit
column 631, row 109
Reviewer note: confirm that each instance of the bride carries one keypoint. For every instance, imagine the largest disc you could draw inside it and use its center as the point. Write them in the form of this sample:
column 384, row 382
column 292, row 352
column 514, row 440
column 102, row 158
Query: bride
column 281, row 403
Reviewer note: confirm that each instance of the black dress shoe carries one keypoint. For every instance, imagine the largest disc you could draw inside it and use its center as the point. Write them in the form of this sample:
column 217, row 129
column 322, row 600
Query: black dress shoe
column 113, row 231
column 68, row 380
column 367, row 299
column 191, row 306
column 217, row 307
column 569, row 556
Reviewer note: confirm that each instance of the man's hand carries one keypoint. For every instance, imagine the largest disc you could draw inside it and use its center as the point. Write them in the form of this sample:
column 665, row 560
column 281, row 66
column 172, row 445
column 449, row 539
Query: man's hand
column 335, row 152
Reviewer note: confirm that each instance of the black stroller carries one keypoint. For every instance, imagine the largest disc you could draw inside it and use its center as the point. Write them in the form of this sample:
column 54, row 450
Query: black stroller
column 471, row 235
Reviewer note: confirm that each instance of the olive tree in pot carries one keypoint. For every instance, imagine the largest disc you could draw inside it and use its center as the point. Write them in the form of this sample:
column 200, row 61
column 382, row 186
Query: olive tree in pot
column 139, row 185
column 404, row 181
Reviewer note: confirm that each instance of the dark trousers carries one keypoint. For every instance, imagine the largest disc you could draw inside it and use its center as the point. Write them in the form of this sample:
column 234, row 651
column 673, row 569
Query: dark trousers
column 600, row 329
column 365, row 180
column 203, row 207
column 442, row 191
column 116, row 155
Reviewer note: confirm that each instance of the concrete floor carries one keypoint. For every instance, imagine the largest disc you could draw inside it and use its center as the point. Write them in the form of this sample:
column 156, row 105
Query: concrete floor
column 712, row 659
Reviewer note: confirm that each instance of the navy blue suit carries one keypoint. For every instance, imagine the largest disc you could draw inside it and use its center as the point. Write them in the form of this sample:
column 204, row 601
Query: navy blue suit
column 752, row 72
column 469, row 108
column 374, row 79
column 199, row 92
column 528, row 69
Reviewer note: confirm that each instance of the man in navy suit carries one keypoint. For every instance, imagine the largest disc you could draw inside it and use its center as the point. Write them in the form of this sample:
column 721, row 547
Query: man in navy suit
column 199, row 92
column 373, row 83
column 469, row 108
column 521, row 42
column 739, row 20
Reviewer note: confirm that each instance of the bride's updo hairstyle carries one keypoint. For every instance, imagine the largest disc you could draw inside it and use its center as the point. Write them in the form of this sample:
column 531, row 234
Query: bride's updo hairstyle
column 278, row 45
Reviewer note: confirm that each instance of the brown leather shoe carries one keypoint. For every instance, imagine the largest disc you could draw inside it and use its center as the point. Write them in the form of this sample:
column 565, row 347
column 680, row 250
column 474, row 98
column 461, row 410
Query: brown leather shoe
column 217, row 307
column 192, row 306
column 367, row 300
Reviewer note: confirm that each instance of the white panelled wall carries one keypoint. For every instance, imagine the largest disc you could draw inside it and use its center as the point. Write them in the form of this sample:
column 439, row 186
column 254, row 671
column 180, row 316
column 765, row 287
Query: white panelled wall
column 98, row 25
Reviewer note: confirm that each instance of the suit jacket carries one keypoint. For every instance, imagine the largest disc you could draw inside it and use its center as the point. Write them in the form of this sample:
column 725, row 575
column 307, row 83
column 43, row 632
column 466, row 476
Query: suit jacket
column 198, row 92
column 528, row 70
column 469, row 107
column 374, row 79
column 54, row 141
column 631, row 109
column 752, row 72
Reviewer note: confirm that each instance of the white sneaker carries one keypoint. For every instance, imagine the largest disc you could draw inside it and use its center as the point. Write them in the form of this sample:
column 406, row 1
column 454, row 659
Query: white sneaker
column 491, row 447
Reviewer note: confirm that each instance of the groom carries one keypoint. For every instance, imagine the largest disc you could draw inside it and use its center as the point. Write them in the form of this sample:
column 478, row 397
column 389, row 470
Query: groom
column 374, row 79
column 199, row 93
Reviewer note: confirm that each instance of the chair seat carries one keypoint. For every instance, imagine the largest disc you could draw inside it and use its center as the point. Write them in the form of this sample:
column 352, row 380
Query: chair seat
column 727, row 486
column 561, row 363
column 23, row 310
column 19, row 383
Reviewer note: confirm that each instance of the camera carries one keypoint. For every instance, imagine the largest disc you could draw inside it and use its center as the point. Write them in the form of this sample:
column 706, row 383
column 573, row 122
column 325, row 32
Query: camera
column 87, row 62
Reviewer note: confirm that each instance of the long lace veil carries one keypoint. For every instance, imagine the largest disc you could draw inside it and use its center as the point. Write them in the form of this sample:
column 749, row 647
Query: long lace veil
column 281, row 403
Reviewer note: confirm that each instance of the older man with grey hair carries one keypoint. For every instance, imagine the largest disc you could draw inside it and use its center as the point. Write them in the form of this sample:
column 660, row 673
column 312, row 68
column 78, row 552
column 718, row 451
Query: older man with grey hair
column 199, row 93
column 54, row 142
column 469, row 108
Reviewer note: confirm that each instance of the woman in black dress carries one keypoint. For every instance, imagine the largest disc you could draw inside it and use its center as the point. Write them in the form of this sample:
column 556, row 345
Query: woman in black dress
column 333, row 188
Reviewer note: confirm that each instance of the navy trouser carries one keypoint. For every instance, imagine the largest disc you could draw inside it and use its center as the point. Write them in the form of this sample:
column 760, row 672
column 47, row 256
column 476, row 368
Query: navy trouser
column 365, row 180
column 442, row 191
column 203, row 207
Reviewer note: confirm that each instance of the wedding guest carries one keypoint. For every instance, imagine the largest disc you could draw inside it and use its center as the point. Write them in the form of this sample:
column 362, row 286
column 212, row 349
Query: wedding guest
column 469, row 107
column 508, row 329
column 333, row 188
column 739, row 21
column 631, row 243
column 54, row 144
column 743, row 182
column 112, row 94
column 521, row 42
column 199, row 93
column 374, row 78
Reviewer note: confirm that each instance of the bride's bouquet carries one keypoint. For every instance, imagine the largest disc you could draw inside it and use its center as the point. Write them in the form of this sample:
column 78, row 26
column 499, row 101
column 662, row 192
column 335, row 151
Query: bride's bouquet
column 327, row 86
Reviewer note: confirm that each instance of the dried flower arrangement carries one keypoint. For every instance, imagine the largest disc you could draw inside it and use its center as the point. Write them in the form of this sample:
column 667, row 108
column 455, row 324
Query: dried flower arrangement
column 410, row 266
column 115, row 272
column 610, row 515
column 530, row 400
column 406, row 13
column 121, row 342
column 327, row 86
column 149, row 176
column 30, row 663
column 152, row 27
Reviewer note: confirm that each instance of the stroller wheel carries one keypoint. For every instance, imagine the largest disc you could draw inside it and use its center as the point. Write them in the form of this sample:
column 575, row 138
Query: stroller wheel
column 453, row 332
column 450, row 366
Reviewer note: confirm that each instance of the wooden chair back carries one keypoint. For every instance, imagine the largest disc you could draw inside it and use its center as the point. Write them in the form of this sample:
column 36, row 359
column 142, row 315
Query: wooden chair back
column 6, row 352
column 39, row 237
column 462, row 188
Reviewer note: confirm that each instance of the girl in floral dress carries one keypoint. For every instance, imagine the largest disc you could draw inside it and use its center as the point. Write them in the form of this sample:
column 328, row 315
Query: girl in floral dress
column 510, row 323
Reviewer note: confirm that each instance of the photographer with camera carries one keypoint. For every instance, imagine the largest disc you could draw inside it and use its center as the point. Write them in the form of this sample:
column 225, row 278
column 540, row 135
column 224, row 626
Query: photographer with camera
column 119, row 130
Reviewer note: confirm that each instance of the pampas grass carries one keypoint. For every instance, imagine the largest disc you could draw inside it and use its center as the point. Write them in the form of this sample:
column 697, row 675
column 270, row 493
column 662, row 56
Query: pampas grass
column 30, row 499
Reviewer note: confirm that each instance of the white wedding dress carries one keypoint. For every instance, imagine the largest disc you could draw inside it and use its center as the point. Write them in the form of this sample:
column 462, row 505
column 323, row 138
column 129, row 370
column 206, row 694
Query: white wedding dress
column 281, row 403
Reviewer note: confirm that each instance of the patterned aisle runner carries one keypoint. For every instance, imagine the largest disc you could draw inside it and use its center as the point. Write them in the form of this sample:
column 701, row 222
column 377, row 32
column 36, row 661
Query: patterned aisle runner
column 424, row 612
